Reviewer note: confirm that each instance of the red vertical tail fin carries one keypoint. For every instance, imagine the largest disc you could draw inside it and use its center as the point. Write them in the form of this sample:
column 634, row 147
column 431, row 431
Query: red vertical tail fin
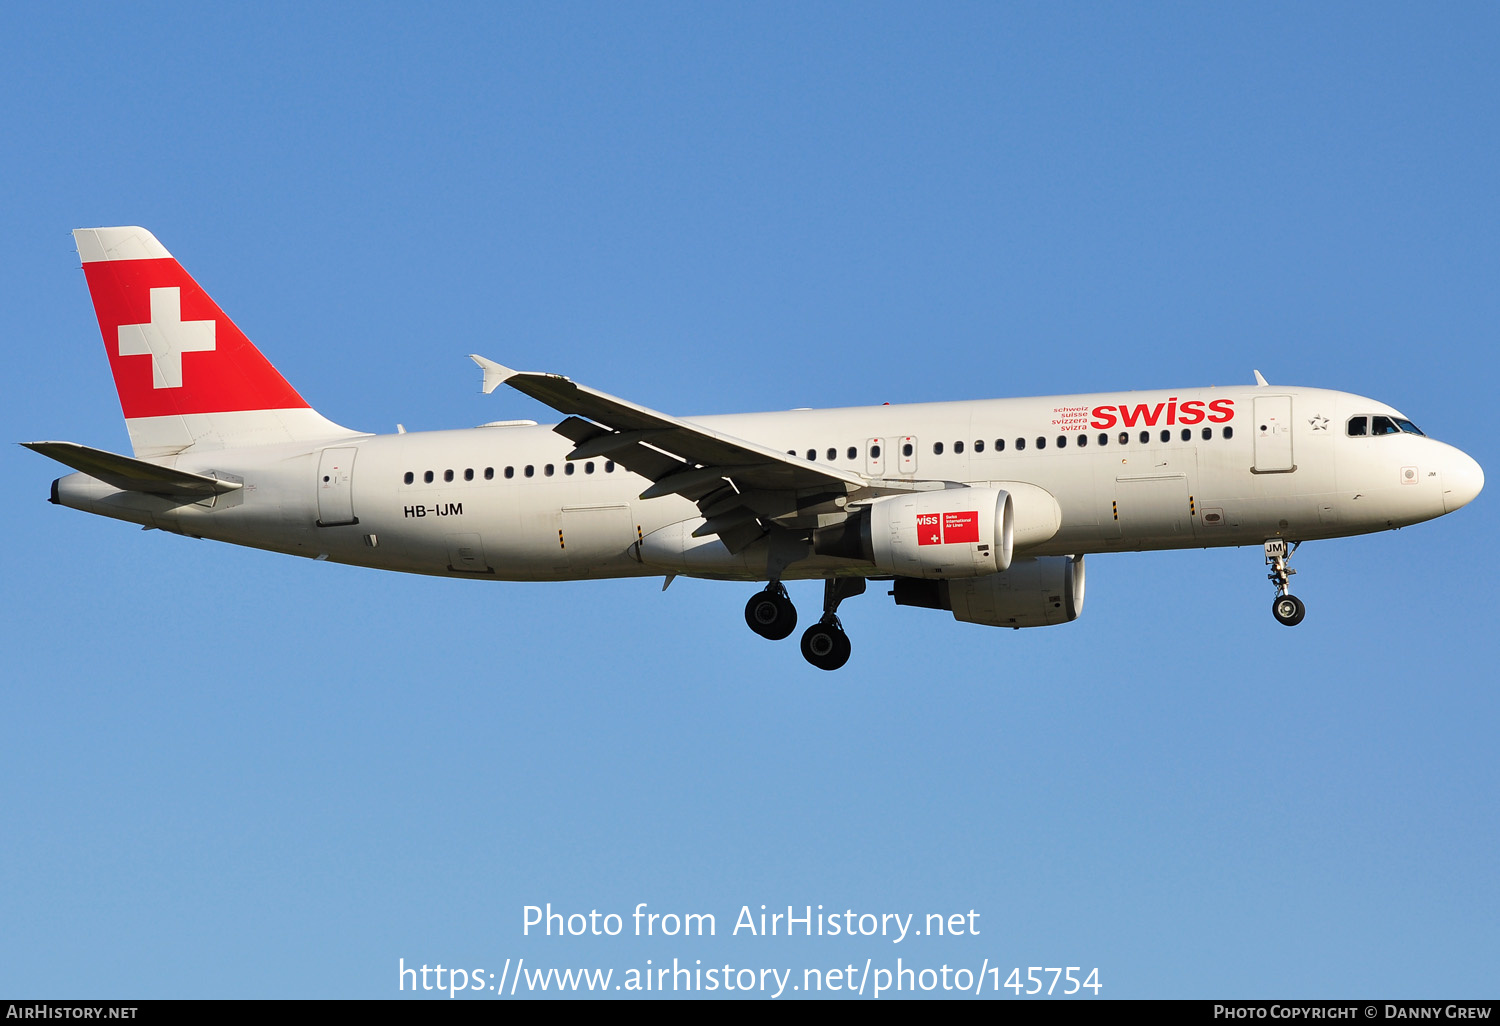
column 186, row 375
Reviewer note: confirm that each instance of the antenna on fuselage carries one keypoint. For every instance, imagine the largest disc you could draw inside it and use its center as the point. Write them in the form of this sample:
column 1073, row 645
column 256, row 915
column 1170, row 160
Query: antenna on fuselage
column 1261, row 380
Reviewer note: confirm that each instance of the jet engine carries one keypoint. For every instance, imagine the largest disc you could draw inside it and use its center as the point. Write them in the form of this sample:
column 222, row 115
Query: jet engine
column 956, row 532
column 1032, row 593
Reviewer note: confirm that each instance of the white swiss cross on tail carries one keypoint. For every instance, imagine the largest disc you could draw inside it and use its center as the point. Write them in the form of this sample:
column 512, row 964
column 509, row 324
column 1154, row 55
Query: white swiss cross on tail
column 166, row 338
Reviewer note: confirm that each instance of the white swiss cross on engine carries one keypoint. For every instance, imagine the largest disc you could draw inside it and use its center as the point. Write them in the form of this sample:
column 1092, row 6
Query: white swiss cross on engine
column 166, row 338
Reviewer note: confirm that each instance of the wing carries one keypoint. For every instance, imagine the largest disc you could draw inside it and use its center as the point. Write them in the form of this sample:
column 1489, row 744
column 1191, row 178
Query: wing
column 741, row 487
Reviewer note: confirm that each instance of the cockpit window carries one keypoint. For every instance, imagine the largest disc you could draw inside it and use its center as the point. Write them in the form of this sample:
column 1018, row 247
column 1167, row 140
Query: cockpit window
column 1381, row 425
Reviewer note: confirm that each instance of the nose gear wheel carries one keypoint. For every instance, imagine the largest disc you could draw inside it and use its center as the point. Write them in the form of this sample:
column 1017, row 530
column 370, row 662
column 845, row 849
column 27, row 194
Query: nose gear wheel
column 1288, row 609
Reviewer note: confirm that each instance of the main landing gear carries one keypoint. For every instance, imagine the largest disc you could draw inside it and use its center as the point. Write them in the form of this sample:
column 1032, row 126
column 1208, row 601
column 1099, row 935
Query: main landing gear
column 1286, row 607
column 825, row 644
column 771, row 615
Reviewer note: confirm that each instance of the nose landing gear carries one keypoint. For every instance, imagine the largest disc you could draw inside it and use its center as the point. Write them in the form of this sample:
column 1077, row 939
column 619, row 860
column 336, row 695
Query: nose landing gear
column 1286, row 607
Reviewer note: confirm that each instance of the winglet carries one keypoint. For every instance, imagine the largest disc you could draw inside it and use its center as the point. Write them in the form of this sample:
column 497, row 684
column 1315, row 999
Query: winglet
column 494, row 373
column 1259, row 380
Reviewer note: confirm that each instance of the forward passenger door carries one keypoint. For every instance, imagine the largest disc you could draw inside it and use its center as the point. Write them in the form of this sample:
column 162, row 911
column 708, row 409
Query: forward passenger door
column 1273, row 434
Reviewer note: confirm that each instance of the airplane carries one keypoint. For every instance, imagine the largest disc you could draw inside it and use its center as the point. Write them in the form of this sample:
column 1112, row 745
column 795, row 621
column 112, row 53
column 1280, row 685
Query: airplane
column 985, row 509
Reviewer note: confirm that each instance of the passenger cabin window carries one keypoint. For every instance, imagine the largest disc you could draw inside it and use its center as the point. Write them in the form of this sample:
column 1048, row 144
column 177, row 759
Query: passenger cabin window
column 609, row 466
column 530, row 470
column 979, row 445
column 548, row 469
column 468, row 473
column 833, row 454
column 1208, row 433
column 1041, row 443
column 1228, row 431
column 937, row 448
column 1166, row 436
column 588, row 468
column 510, row 472
column 1103, row 438
column 1083, row 440
column 999, row 445
column 489, row 473
column 1145, row 438
column 1020, row 444
column 1062, row 441
column 874, row 452
column 907, row 449
column 410, row 477
column 568, row 468
column 852, row 453
column 447, row 475
column 1124, row 437
column 958, row 447
column 427, row 477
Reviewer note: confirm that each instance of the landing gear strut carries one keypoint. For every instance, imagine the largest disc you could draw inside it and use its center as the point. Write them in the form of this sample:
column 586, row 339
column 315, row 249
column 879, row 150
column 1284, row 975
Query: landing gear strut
column 1286, row 607
column 825, row 644
column 770, row 613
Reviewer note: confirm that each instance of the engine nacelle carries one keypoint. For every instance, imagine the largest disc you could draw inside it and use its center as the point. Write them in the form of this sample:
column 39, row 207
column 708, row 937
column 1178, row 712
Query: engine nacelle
column 957, row 532
column 1032, row 593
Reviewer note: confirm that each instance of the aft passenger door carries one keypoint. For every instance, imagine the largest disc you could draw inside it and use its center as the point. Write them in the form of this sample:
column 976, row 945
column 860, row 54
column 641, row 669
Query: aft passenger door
column 336, row 488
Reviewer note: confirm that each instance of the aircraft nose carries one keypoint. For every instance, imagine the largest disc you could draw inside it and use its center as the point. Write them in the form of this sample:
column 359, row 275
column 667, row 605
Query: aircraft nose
column 1463, row 479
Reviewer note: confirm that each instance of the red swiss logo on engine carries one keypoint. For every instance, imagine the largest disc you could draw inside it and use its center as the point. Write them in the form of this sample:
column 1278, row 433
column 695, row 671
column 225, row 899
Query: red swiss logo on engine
column 947, row 528
column 960, row 527
column 929, row 529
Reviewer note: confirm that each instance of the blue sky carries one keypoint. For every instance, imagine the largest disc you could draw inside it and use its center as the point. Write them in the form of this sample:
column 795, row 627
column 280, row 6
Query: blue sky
column 231, row 773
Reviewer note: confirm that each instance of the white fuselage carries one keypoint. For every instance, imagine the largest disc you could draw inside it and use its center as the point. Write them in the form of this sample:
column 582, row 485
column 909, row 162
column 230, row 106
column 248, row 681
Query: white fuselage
column 504, row 502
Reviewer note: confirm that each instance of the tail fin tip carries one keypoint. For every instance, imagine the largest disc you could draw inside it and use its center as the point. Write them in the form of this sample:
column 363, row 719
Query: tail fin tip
column 124, row 243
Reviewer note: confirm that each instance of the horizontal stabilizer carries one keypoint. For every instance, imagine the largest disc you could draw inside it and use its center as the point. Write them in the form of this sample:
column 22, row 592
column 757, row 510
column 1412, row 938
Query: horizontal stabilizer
column 131, row 475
